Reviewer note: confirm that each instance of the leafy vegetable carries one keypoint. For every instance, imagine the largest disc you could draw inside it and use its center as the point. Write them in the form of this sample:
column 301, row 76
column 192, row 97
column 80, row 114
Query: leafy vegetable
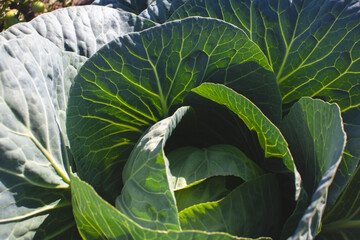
column 197, row 119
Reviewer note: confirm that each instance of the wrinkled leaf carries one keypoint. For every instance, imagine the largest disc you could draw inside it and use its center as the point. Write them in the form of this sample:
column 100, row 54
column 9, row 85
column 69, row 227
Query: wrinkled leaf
column 250, row 210
column 109, row 223
column 312, row 46
column 316, row 137
column 136, row 79
column 35, row 77
column 82, row 30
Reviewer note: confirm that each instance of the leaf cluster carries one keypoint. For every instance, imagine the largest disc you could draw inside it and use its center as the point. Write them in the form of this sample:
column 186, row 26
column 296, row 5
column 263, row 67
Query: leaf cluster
column 174, row 119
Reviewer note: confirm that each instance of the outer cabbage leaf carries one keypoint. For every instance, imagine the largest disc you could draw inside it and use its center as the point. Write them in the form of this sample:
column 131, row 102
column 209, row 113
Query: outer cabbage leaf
column 314, row 131
column 343, row 220
column 138, row 79
column 82, row 30
column 160, row 10
column 35, row 77
column 313, row 48
column 110, row 223
column 135, row 6
column 253, row 209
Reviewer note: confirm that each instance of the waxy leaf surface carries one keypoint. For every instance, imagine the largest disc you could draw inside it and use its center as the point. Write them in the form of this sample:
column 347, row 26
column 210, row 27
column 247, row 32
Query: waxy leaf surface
column 82, row 30
column 35, row 77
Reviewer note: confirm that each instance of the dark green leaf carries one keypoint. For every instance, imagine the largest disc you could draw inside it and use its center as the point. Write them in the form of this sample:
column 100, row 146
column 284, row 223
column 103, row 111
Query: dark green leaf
column 136, row 79
column 316, row 137
column 342, row 222
column 312, row 46
column 350, row 157
column 269, row 135
column 251, row 210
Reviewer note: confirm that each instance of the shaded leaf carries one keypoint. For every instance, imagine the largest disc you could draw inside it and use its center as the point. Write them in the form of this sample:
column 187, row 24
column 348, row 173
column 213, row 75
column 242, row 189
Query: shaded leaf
column 189, row 165
column 316, row 137
column 270, row 138
column 207, row 190
column 250, row 210
column 343, row 220
column 351, row 156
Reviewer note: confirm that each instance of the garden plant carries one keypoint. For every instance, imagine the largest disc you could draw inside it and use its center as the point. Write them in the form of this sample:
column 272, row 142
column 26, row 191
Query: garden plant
column 182, row 119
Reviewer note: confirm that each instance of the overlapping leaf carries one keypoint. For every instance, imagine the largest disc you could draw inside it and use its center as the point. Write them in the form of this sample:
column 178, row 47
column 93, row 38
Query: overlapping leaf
column 350, row 157
column 312, row 46
column 109, row 223
column 35, row 77
column 135, row 80
column 316, row 137
column 251, row 210
column 270, row 138
column 343, row 220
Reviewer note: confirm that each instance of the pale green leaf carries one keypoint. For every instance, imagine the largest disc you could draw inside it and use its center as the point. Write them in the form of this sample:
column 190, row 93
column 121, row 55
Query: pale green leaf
column 35, row 77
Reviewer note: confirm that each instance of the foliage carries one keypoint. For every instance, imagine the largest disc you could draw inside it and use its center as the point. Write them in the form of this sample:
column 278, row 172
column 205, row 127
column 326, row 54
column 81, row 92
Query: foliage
column 197, row 119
